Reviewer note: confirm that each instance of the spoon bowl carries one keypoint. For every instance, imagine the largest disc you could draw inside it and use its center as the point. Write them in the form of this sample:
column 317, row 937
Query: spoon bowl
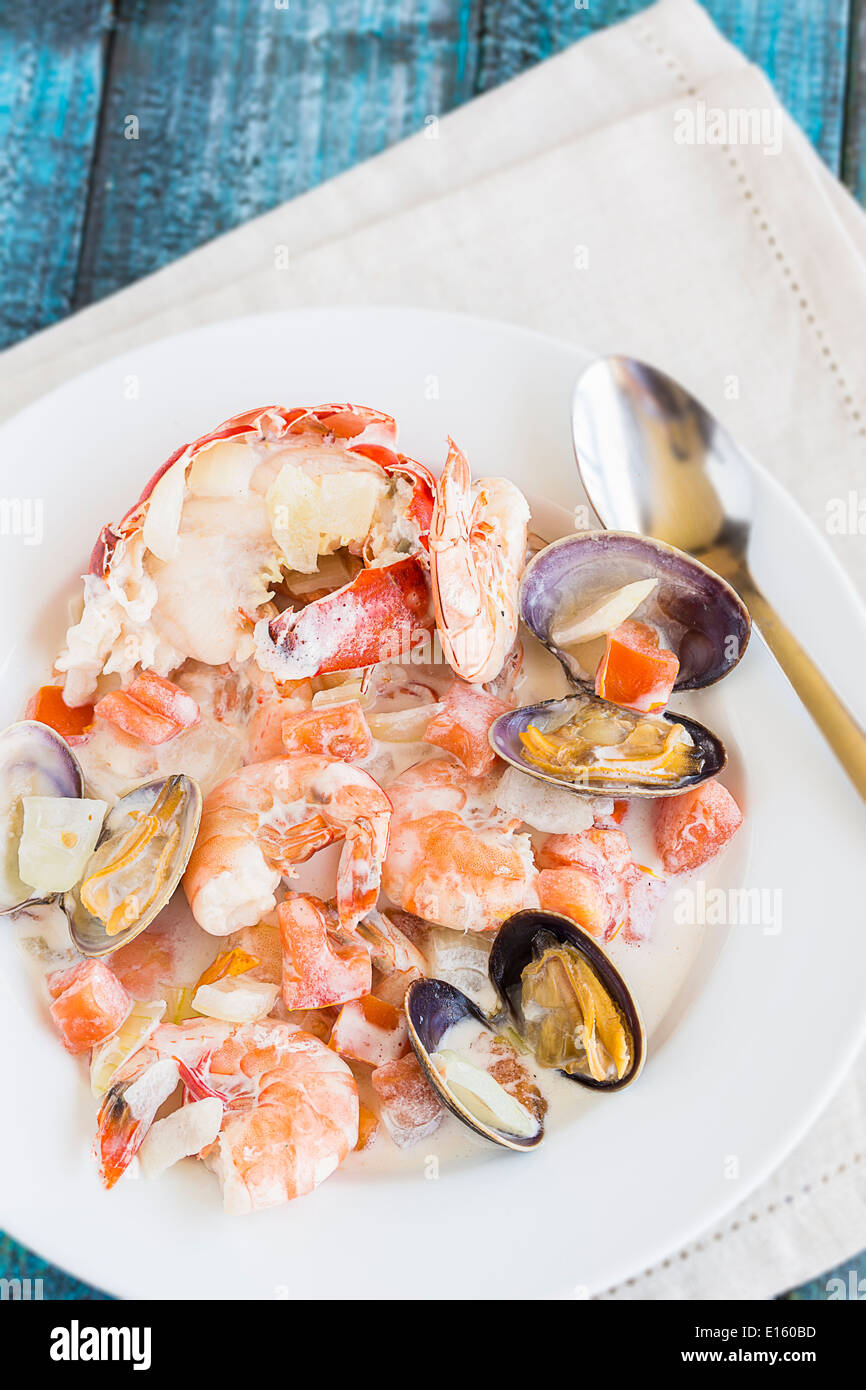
column 654, row 460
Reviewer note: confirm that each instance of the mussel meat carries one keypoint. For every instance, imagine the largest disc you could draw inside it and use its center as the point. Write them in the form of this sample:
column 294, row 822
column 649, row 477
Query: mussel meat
column 568, row 1001
column 560, row 999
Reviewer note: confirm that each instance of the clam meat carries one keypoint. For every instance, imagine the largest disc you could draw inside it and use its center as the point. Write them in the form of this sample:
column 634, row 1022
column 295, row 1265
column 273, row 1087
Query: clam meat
column 590, row 745
column 147, row 839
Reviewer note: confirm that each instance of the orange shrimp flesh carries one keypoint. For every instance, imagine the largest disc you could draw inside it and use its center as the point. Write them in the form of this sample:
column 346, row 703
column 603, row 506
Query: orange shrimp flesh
column 273, row 815
column 451, row 858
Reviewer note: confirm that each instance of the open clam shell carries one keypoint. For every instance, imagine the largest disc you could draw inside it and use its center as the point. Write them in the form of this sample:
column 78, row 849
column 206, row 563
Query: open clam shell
column 603, row 774
column 432, row 1008
column 700, row 617
column 34, row 761
column 517, row 946
column 147, row 838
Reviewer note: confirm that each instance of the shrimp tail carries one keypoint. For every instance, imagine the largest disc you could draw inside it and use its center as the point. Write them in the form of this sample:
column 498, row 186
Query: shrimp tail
column 127, row 1113
column 359, row 873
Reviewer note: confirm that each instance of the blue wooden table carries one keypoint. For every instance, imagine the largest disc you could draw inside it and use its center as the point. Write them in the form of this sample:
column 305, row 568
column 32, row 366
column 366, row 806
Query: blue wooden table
column 237, row 105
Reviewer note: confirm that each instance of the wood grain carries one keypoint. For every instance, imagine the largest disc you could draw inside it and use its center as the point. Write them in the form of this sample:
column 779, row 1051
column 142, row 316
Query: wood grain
column 51, row 70
column 264, row 103
column 241, row 104
column 800, row 44
column 854, row 143
column 802, row 47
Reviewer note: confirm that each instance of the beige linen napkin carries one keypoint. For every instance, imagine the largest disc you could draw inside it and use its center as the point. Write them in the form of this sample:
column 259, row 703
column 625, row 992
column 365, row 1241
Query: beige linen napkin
column 569, row 201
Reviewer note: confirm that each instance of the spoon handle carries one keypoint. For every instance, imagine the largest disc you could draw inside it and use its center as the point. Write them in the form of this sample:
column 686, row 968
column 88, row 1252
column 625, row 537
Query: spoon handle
column 836, row 722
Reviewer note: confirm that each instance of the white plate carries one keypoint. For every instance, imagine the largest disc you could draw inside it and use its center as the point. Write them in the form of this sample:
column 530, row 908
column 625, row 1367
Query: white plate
column 745, row 1054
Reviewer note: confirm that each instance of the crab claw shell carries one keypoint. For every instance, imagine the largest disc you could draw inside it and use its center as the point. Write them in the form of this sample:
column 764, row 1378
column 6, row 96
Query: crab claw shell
column 700, row 617
column 432, row 1007
column 180, row 799
column 513, row 951
column 34, row 761
column 381, row 615
column 505, row 731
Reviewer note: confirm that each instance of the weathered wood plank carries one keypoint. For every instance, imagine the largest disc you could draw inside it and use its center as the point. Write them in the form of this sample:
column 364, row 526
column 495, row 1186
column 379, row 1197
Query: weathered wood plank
column 45, row 1280
column 800, row 45
column 241, row 104
column 854, row 151
column 51, row 64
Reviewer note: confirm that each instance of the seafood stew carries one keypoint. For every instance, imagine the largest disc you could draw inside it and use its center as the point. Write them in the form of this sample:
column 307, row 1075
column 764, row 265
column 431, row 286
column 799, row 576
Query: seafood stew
column 299, row 644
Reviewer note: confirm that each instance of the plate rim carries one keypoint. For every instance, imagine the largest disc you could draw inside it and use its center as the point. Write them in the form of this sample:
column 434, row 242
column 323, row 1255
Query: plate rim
column 775, row 1153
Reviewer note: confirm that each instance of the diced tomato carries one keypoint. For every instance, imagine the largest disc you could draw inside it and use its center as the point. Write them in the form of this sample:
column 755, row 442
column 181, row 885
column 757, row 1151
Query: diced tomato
column 693, row 828
column 368, row 1127
column 408, row 1104
column 462, row 725
column 339, row 732
column 226, row 964
column 369, row 1030
column 89, row 1004
column 619, row 810
column 587, row 877
column 323, row 964
column 73, row 723
column 150, row 708
column 577, row 894
column 599, row 849
column 635, row 671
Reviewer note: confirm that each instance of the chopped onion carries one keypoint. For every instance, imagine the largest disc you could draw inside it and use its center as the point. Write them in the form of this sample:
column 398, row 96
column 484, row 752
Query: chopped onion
column 614, row 609
column 402, row 725
column 180, row 1135
column 235, row 999
column 58, row 837
column 110, row 1055
column 340, row 694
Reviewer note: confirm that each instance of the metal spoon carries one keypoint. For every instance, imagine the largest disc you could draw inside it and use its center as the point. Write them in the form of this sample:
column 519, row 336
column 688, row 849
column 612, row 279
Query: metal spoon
column 653, row 460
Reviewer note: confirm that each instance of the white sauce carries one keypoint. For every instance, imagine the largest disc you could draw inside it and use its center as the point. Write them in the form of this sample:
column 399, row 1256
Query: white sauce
column 660, row 971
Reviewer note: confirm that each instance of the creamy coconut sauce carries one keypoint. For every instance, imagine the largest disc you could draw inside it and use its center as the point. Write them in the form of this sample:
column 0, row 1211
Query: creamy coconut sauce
column 656, row 970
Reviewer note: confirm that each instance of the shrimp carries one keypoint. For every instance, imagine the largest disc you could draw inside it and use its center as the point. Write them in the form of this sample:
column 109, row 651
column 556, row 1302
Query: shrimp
column 143, row 1084
column 272, row 815
column 477, row 551
column 452, row 859
column 291, row 1116
column 290, row 1106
